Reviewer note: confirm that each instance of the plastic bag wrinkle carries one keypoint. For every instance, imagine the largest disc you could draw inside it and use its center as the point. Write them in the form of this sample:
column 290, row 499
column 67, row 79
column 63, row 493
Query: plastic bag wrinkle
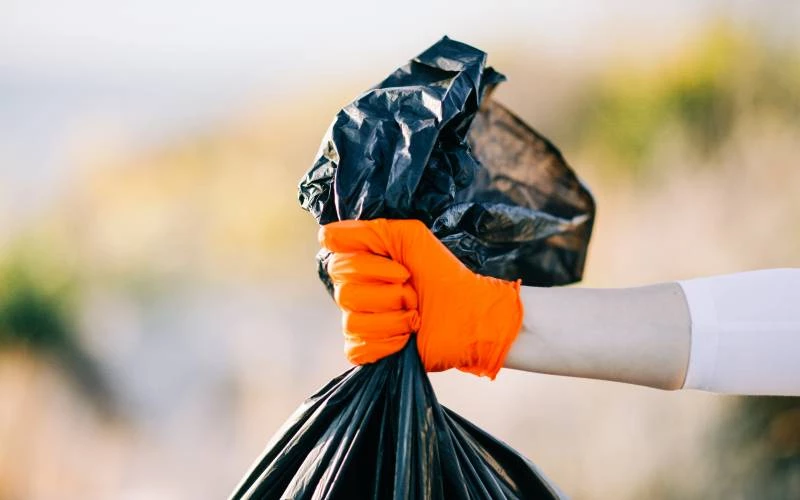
column 429, row 143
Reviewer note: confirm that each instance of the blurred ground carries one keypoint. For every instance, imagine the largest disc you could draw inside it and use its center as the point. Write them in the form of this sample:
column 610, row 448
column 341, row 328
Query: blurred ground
column 160, row 314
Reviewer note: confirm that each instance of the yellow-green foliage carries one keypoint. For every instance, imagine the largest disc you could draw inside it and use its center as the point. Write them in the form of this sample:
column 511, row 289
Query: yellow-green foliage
column 702, row 93
column 34, row 306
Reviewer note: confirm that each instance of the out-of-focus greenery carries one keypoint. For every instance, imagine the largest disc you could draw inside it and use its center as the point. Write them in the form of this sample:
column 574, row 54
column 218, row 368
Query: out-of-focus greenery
column 701, row 93
column 37, row 304
column 757, row 450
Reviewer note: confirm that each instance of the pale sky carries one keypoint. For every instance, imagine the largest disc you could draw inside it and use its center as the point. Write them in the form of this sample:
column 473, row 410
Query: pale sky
column 163, row 36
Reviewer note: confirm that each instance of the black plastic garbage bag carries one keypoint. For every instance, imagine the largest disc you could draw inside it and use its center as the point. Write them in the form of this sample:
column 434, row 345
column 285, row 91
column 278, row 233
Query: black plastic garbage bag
column 428, row 143
column 378, row 432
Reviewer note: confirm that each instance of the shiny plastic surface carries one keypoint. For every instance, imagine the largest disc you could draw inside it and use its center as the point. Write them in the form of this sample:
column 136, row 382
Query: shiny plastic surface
column 378, row 432
column 428, row 143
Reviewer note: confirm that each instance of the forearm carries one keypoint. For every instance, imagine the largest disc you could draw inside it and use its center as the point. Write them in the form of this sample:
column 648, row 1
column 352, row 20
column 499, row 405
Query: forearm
column 635, row 335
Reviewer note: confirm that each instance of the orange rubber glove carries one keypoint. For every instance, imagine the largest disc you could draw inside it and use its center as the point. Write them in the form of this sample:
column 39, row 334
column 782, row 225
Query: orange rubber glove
column 394, row 277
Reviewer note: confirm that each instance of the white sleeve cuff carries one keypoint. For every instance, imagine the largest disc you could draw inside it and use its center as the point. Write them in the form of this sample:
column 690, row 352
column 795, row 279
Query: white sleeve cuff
column 704, row 344
column 745, row 332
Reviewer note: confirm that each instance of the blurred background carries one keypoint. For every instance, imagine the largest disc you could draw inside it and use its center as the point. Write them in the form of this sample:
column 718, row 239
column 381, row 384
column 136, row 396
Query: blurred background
column 160, row 314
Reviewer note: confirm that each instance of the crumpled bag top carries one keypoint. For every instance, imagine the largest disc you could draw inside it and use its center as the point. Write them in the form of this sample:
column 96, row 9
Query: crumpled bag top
column 428, row 143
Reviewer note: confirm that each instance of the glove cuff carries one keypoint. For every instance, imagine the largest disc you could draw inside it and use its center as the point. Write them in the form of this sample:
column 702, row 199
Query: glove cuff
column 494, row 336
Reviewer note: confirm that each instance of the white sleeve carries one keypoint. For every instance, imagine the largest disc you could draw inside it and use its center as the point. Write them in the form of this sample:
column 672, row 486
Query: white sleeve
column 745, row 333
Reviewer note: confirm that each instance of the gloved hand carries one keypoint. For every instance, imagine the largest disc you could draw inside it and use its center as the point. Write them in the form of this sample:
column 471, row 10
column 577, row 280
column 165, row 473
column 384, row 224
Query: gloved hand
column 394, row 277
